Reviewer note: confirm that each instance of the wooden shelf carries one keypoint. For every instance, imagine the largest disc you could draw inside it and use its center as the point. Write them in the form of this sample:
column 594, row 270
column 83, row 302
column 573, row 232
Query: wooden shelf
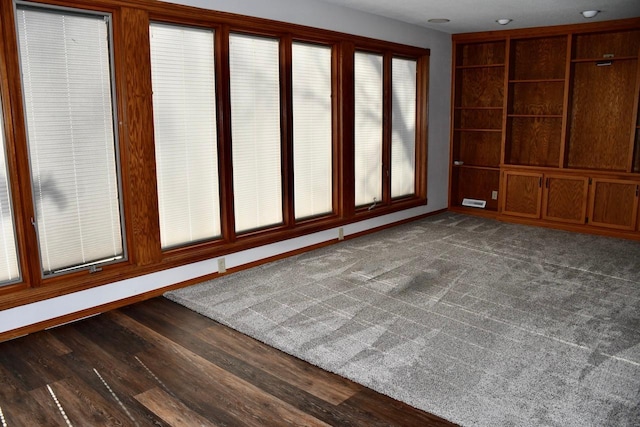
column 538, row 131
column 539, row 59
column 486, row 168
column 614, row 59
column 538, row 81
column 466, row 67
column 480, row 86
column 533, row 141
column 572, row 171
column 475, row 183
column 478, row 130
column 595, row 46
column 478, row 148
column 489, row 213
column 478, row 108
column 537, row 116
column 474, row 118
column 484, row 54
column 602, row 105
column 541, row 99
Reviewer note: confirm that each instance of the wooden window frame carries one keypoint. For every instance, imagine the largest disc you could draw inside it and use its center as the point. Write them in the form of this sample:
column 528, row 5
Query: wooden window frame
column 132, row 70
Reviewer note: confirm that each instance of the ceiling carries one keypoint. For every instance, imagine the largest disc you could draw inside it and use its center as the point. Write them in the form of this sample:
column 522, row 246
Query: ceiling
column 481, row 15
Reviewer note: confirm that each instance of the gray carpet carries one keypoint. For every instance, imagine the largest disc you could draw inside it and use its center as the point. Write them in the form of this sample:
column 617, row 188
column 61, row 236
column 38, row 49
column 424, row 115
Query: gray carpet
column 480, row 322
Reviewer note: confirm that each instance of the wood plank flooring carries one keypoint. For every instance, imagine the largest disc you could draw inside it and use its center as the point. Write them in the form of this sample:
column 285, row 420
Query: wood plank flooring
column 158, row 363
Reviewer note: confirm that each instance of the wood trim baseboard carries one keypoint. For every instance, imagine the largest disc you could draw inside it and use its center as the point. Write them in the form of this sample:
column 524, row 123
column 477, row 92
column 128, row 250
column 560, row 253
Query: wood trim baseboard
column 585, row 229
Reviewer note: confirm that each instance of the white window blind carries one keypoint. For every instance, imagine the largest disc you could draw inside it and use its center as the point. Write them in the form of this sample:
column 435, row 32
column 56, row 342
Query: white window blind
column 255, row 131
column 9, row 269
column 312, row 151
column 65, row 61
column 184, row 118
column 403, row 128
column 368, row 128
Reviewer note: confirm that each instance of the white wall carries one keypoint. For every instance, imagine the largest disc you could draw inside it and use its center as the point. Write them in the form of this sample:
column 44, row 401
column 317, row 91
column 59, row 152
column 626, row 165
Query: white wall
column 314, row 14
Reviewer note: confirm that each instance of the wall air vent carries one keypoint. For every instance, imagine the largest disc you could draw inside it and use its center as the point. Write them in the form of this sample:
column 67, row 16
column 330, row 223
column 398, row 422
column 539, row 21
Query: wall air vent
column 474, row 203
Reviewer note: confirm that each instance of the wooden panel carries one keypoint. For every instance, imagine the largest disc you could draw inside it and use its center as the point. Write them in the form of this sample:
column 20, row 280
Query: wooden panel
column 481, row 53
column 636, row 156
column 481, row 87
column 602, row 105
column 475, row 184
column 534, row 141
column 565, row 198
column 540, row 98
column 622, row 43
column 140, row 171
column 522, row 194
column 614, row 203
column 478, row 119
column 422, row 129
column 478, row 148
column 539, row 58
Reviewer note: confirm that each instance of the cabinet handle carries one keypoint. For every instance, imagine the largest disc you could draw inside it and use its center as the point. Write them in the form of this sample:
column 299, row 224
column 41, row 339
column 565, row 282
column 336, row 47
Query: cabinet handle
column 540, row 182
column 546, row 183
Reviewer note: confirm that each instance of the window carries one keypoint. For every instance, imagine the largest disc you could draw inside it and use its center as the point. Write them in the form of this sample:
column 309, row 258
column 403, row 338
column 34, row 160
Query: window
column 184, row 118
column 368, row 128
column 403, row 128
column 312, row 149
column 237, row 133
column 385, row 148
column 9, row 270
column 255, row 131
column 68, row 101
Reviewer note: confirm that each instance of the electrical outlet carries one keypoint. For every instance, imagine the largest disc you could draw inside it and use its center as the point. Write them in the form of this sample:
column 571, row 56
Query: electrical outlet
column 221, row 265
column 494, row 195
column 340, row 234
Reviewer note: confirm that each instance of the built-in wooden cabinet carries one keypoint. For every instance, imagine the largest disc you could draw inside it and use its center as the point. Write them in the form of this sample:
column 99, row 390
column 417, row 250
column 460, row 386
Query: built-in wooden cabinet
column 522, row 194
column 636, row 156
column 551, row 197
column 475, row 183
column 614, row 203
column 572, row 199
column 535, row 107
column 604, row 80
column 565, row 198
column 546, row 125
column 478, row 117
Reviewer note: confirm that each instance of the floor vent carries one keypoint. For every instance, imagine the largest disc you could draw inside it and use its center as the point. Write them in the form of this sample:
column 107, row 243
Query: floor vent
column 474, row 203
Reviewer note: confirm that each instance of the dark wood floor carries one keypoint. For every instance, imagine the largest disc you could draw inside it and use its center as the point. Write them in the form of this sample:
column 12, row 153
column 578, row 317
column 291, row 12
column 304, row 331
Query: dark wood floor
column 158, row 363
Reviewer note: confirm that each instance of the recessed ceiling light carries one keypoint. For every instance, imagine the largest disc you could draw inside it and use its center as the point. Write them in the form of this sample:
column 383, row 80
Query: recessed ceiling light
column 439, row 20
column 503, row 21
column 589, row 13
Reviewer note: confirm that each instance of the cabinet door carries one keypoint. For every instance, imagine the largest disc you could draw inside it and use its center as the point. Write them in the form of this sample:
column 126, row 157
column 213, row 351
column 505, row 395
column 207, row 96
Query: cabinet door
column 614, row 203
column 565, row 198
column 522, row 194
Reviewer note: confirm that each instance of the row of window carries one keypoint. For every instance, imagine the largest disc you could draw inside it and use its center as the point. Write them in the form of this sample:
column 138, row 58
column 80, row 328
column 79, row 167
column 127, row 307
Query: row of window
column 66, row 61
